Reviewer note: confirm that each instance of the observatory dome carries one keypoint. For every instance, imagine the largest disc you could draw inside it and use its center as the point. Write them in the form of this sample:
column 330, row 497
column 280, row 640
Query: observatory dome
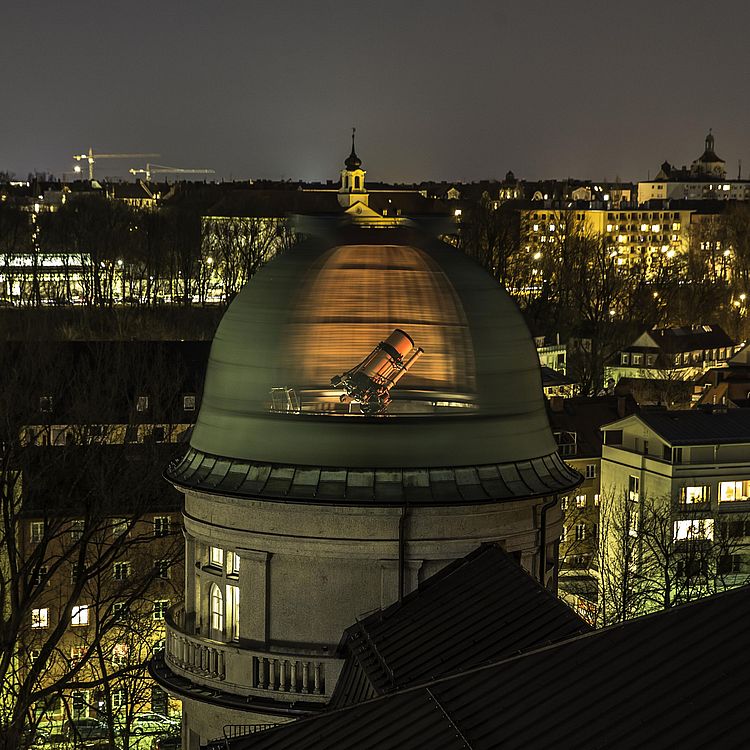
column 472, row 402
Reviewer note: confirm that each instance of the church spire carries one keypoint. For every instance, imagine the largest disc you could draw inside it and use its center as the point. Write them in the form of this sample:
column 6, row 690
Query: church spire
column 353, row 161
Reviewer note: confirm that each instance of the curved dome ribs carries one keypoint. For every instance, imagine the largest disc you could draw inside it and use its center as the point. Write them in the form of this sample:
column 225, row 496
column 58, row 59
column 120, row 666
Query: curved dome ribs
column 357, row 296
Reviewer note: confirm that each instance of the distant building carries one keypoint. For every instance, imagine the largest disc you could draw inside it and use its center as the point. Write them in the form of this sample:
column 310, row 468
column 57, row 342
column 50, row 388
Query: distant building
column 705, row 179
column 678, row 353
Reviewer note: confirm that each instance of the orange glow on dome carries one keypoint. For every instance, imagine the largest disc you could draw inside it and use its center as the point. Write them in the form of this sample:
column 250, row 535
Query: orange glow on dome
column 356, row 296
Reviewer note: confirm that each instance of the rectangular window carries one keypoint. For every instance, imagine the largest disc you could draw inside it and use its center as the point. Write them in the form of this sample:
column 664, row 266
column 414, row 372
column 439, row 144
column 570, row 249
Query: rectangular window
column 119, row 610
column 141, row 403
column 76, row 654
column 564, row 503
column 121, row 571
column 730, row 492
column 676, row 455
column 216, row 556
column 77, row 527
column 80, row 701
column 40, row 618
column 119, row 526
column 695, row 528
column 160, row 608
column 79, row 615
column 188, row 403
column 45, row 404
column 233, row 611
column 590, row 471
column 37, row 531
column 75, row 572
column 119, row 698
column 564, row 534
column 596, row 500
column 694, row 494
column 161, row 568
column 120, row 654
column 624, row 358
column 161, row 526
column 580, row 501
column 233, row 564
column 34, row 654
column 634, row 488
column 39, row 575
column 580, row 532
column 637, row 359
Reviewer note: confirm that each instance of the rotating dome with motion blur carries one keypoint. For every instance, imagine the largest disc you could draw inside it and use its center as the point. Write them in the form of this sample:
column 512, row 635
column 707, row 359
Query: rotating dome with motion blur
column 378, row 352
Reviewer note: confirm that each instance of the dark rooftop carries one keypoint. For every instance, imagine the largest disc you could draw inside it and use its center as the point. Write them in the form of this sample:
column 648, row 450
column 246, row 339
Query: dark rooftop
column 478, row 609
column 698, row 427
column 673, row 679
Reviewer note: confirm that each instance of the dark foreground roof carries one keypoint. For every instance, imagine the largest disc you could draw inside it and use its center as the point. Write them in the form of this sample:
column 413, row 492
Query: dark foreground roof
column 478, row 609
column 697, row 427
column 678, row 678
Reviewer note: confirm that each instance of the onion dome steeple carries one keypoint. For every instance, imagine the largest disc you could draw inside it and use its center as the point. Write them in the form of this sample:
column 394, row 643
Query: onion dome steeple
column 352, row 161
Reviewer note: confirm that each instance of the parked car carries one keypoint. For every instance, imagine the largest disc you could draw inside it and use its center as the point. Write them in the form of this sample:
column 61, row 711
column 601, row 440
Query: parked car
column 85, row 729
column 151, row 723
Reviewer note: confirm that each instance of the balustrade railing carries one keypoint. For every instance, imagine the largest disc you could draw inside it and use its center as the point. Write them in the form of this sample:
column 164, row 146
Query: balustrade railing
column 229, row 667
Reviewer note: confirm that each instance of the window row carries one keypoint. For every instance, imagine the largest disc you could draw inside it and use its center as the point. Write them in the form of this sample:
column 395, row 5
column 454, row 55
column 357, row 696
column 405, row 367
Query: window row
column 80, row 614
column 142, row 403
column 119, row 526
column 729, row 492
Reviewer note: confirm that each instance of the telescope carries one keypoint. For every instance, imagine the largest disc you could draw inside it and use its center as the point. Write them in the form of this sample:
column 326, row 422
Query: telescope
column 370, row 382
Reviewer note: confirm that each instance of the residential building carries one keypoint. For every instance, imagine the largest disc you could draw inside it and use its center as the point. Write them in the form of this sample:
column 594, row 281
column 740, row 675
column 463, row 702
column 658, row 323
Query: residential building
column 576, row 425
column 688, row 474
column 677, row 353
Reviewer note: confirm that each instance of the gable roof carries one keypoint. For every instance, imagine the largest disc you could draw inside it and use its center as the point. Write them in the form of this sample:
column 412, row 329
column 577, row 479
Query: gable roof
column 694, row 426
column 642, row 683
column 477, row 609
column 685, row 339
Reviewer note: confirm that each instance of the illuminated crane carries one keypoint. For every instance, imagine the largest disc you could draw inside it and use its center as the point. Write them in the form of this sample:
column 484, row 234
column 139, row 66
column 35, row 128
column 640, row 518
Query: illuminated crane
column 161, row 169
column 91, row 157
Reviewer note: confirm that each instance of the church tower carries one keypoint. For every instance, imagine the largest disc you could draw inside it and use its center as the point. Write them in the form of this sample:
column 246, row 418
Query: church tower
column 352, row 188
column 708, row 164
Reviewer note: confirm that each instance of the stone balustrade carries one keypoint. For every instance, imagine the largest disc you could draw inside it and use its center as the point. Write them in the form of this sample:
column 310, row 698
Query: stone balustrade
column 229, row 667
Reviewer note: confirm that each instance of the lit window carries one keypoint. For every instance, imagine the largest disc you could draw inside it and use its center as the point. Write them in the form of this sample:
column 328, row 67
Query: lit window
column 119, row 698
column 120, row 654
column 119, row 526
column 580, row 501
column 34, row 654
column 596, row 499
column 564, row 534
column 580, row 532
column 233, row 611
column 80, row 615
column 121, row 571
column 216, row 556
column 217, row 608
column 694, row 494
column 696, row 528
column 730, row 492
column 160, row 608
column 564, row 503
column 634, row 488
column 161, row 526
column 37, row 531
column 40, row 618
column 76, row 529
column 76, row 654
column 233, row 564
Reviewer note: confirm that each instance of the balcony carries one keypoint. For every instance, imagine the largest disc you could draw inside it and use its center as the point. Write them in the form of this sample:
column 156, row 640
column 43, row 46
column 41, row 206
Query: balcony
column 280, row 676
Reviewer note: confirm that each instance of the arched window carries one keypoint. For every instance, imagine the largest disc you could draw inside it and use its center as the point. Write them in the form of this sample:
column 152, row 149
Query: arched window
column 356, row 182
column 217, row 609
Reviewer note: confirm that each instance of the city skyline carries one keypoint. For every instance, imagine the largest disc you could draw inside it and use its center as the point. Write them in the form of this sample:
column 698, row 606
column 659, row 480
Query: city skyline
column 436, row 91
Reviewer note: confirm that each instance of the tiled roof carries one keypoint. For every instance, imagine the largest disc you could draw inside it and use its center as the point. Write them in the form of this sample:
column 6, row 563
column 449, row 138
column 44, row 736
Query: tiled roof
column 422, row 486
column 688, row 339
column 697, row 427
column 478, row 609
column 678, row 678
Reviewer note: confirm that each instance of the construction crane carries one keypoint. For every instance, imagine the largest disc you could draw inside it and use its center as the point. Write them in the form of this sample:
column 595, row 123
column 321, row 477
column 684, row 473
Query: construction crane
column 161, row 169
column 91, row 157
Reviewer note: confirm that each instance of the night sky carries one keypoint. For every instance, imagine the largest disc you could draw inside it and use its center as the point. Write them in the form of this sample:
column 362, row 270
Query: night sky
column 438, row 90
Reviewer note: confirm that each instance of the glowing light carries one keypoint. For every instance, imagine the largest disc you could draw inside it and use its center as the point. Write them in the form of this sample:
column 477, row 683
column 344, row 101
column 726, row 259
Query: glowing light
column 743, row 296
column 537, row 255
column 671, row 253
column 726, row 253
